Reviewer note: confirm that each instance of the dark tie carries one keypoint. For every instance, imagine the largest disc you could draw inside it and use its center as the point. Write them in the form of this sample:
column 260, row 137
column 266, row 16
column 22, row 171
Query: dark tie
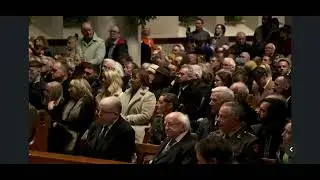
column 170, row 144
column 103, row 131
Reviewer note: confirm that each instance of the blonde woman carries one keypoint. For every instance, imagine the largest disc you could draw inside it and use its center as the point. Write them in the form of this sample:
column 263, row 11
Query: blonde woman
column 53, row 99
column 112, row 85
column 79, row 110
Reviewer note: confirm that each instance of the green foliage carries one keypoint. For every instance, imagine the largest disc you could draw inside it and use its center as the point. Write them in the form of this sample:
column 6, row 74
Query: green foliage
column 233, row 18
column 142, row 20
column 187, row 20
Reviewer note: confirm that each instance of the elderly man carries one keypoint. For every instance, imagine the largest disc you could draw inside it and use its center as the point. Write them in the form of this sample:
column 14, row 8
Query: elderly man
column 241, row 45
column 90, row 48
column 36, row 85
column 115, row 45
column 241, row 93
column 229, row 64
column 219, row 95
column 110, row 137
column 188, row 94
column 282, row 86
column 178, row 148
column 245, row 146
column 60, row 73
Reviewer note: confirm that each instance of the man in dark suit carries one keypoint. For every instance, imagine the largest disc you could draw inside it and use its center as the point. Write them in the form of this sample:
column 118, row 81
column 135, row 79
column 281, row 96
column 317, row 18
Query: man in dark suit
column 110, row 137
column 189, row 95
column 178, row 148
column 241, row 93
column 115, row 45
column 36, row 85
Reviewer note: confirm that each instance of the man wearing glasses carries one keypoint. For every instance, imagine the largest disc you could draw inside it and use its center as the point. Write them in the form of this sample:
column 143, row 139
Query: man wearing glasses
column 110, row 136
column 115, row 45
column 90, row 47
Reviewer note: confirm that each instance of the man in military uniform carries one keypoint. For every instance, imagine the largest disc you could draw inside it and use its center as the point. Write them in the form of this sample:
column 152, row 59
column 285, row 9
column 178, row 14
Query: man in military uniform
column 244, row 145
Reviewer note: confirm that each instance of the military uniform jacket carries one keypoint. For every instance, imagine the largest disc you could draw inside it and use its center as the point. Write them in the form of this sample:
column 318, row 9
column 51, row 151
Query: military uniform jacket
column 245, row 146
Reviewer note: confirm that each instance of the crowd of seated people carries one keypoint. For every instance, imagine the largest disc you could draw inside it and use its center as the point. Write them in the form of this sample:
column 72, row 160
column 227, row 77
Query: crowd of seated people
column 210, row 101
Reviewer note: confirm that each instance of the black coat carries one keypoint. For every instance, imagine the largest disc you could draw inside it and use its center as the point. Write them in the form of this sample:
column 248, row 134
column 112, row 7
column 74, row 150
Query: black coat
column 118, row 144
column 182, row 152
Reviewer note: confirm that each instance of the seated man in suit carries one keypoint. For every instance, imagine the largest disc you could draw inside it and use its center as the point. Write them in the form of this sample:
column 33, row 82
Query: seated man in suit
column 110, row 136
column 178, row 148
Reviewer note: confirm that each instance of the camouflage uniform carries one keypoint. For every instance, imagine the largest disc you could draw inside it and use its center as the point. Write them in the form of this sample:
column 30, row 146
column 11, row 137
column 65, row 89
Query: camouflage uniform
column 245, row 146
column 157, row 131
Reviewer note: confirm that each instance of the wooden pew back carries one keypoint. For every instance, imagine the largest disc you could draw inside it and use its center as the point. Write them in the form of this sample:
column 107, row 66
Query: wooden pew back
column 144, row 150
column 40, row 138
column 38, row 157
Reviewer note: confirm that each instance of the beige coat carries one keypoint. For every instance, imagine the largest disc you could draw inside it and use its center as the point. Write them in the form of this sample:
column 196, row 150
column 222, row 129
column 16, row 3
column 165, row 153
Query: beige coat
column 92, row 52
column 138, row 110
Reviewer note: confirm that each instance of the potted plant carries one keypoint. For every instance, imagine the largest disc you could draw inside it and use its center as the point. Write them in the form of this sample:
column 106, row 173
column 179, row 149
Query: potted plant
column 187, row 20
column 233, row 20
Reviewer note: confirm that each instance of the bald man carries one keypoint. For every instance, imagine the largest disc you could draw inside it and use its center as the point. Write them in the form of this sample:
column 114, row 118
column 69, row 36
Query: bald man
column 241, row 93
column 241, row 45
column 115, row 45
column 269, row 50
column 90, row 48
column 229, row 64
column 178, row 148
column 110, row 136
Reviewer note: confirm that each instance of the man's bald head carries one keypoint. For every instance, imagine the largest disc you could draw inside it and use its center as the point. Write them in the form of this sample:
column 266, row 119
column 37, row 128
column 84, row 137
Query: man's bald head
column 229, row 64
column 240, row 91
column 241, row 38
column 109, row 110
column 87, row 30
column 269, row 49
column 112, row 101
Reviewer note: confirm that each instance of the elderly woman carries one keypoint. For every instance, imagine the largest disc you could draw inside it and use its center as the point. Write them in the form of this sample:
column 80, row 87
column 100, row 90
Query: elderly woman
column 77, row 116
column 112, row 85
column 110, row 64
column 53, row 100
column 138, row 103
column 79, row 111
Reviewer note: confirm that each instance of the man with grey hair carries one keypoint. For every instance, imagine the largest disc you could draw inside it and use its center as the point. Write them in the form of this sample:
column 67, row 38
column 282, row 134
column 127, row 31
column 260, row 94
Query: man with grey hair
column 219, row 95
column 241, row 93
column 189, row 95
column 178, row 148
column 115, row 44
column 244, row 145
column 110, row 136
column 229, row 64
column 90, row 47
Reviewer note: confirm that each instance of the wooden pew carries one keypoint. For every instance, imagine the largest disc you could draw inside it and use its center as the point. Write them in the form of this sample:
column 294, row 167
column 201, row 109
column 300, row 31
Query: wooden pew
column 143, row 150
column 40, row 137
column 38, row 157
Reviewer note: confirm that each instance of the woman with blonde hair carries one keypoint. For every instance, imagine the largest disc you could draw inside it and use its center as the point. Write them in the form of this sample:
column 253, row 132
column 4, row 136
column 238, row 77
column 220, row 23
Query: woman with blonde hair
column 112, row 85
column 53, row 99
column 76, row 117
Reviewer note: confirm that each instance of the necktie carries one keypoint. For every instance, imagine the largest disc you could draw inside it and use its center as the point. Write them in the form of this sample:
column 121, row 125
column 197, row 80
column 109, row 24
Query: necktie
column 169, row 145
column 103, row 132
